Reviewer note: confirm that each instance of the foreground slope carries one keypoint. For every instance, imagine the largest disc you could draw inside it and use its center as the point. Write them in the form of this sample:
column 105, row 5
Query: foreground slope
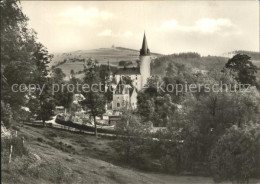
column 62, row 157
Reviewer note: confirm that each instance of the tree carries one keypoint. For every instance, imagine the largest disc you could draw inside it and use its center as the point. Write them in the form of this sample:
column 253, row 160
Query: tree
column 23, row 59
column 164, row 109
column 104, row 74
column 127, row 80
column 72, row 72
column 245, row 69
column 145, row 107
column 94, row 101
column 42, row 58
column 6, row 114
column 16, row 50
column 157, row 109
column 154, row 104
column 58, row 75
column 235, row 155
column 132, row 137
column 109, row 93
column 170, row 70
column 14, row 33
column 64, row 96
column 145, row 102
column 177, row 76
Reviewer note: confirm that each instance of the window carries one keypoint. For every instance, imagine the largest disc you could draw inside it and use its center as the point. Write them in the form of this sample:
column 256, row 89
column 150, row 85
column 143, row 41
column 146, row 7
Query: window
column 118, row 104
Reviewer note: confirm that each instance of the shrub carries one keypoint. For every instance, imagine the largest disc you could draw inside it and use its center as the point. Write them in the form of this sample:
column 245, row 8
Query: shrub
column 17, row 150
column 50, row 135
column 170, row 160
column 6, row 114
column 235, row 156
column 133, row 145
column 39, row 139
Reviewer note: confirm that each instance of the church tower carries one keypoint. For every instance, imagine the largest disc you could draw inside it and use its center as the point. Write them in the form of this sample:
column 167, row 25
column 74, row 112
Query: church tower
column 145, row 60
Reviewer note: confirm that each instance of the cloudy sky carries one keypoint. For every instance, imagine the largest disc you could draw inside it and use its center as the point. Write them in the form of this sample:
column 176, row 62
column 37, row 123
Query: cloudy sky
column 207, row 27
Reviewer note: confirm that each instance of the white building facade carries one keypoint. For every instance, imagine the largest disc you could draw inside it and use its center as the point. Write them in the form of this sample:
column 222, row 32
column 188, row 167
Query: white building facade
column 125, row 95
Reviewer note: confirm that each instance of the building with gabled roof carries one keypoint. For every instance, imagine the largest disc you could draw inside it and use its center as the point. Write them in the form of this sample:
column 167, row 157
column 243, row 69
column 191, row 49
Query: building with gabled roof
column 125, row 95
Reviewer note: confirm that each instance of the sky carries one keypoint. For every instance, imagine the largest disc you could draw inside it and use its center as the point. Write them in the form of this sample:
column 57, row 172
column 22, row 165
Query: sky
column 206, row 27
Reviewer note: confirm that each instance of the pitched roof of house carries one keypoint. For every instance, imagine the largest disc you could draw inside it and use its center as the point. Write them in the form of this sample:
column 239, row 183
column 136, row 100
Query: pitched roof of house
column 119, row 87
column 128, row 71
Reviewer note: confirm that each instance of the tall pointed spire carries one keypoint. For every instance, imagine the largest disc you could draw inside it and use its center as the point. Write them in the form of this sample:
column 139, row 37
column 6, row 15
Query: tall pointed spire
column 144, row 51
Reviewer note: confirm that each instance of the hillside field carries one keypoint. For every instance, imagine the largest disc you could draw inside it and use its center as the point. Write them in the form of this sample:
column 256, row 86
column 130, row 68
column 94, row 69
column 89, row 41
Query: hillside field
column 75, row 60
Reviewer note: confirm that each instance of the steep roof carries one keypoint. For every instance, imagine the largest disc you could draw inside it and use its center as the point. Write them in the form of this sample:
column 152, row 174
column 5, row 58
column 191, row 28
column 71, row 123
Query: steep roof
column 119, row 87
column 128, row 71
column 131, row 90
column 144, row 51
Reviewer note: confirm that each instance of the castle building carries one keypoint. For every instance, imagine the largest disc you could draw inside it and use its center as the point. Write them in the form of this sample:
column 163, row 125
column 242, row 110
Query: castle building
column 128, row 81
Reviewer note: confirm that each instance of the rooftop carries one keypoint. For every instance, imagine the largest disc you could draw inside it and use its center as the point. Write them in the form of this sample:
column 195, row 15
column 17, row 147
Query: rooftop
column 144, row 51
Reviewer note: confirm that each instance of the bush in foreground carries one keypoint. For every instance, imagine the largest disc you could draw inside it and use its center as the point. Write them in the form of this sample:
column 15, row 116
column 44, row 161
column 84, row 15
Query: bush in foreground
column 235, row 156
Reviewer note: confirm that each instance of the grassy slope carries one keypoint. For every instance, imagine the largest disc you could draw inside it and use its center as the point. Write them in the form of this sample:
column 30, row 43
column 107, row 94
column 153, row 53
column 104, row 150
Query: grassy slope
column 63, row 157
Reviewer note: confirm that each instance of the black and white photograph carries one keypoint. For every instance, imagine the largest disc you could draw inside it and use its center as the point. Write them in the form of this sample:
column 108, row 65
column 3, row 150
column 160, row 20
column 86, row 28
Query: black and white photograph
column 130, row 92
